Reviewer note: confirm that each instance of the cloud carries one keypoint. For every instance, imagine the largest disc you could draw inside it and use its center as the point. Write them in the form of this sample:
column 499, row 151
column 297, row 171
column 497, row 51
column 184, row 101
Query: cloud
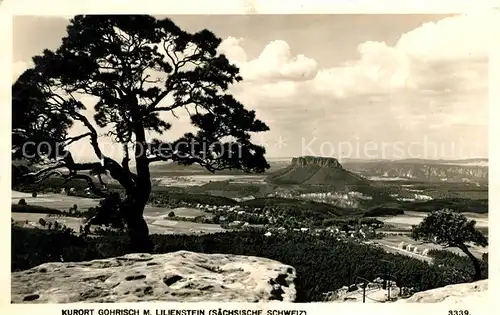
column 232, row 48
column 433, row 81
column 274, row 63
column 464, row 37
column 448, row 54
column 451, row 53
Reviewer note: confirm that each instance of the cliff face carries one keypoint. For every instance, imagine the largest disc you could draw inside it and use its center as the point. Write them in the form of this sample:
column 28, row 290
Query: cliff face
column 316, row 160
column 421, row 171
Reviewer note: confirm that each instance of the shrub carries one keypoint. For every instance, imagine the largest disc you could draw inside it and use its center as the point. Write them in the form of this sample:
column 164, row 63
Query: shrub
column 22, row 202
column 462, row 269
column 32, row 247
column 380, row 211
column 33, row 209
column 171, row 214
column 448, row 228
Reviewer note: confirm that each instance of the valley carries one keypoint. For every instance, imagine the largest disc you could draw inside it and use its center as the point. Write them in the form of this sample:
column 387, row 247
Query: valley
column 309, row 195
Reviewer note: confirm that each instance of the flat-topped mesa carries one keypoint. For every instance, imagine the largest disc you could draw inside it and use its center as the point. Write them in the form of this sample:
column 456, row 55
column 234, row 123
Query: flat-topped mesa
column 315, row 170
column 316, row 160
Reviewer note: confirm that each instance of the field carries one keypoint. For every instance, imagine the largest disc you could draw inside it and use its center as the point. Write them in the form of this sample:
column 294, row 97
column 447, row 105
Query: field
column 403, row 223
column 410, row 218
column 173, row 169
column 55, row 201
column 197, row 180
column 154, row 215
column 181, row 227
column 33, row 218
column 391, row 244
column 392, row 247
column 186, row 212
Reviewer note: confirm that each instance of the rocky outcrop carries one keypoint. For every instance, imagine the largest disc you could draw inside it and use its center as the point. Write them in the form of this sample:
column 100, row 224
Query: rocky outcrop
column 420, row 171
column 315, row 170
column 373, row 294
column 180, row 276
column 316, row 160
column 457, row 293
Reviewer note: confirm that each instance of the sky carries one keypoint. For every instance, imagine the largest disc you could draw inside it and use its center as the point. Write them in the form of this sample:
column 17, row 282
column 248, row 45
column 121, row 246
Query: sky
column 345, row 86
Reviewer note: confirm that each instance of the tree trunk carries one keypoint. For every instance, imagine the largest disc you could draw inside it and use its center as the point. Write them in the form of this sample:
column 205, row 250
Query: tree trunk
column 137, row 228
column 139, row 235
column 475, row 262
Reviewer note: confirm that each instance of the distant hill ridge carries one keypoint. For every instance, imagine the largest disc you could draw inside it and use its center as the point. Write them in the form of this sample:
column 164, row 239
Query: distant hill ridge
column 423, row 170
column 464, row 162
column 315, row 170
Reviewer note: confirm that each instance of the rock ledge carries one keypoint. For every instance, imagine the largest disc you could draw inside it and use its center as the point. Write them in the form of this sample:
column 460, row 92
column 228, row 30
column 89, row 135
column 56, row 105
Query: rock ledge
column 316, row 160
column 472, row 292
column 179, row 276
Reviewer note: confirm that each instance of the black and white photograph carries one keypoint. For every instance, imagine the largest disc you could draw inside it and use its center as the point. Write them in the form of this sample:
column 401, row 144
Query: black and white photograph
column 250, row 158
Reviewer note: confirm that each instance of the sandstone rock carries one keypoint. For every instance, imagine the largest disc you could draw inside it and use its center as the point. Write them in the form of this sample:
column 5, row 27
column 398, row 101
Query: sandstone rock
column 316, row 160
column 180, row 276
column 373, row 294
column 423, row 171
column 457, row 293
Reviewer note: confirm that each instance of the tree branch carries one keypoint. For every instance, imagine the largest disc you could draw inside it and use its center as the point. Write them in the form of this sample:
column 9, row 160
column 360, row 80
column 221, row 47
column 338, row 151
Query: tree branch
column 116, row 171
column 47, row 176
column 167, row 108
column 45, row 170
column 93, row 134
column 125, row 163
column 90, row 183
column 157, row 159
column 176, row 65
column 158, row 99
column 74, row 139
